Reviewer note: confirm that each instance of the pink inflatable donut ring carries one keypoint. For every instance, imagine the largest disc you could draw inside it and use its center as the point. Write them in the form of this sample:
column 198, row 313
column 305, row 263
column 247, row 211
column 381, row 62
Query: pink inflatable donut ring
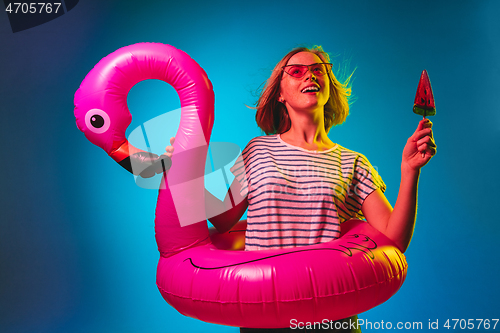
column 204, row 274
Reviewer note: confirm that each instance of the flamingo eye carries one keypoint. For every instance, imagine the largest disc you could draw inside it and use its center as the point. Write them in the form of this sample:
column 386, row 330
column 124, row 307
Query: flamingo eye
column 97, row 121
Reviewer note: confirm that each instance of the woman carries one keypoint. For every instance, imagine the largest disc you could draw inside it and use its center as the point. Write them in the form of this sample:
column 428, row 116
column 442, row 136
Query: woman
column 297, row 184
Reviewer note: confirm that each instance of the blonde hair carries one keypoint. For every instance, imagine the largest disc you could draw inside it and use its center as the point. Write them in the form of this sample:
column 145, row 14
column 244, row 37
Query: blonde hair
column 272, row 116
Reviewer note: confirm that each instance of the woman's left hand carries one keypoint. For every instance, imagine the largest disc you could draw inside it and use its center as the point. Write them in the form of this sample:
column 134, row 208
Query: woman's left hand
column 420, row 147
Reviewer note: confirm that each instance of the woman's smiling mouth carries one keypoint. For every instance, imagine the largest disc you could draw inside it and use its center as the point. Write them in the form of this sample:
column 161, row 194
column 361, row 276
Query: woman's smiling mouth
column 312, row 88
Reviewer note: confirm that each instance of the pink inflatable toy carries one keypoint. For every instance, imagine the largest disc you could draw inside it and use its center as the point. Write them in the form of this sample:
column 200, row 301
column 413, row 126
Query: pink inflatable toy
column 204, row 274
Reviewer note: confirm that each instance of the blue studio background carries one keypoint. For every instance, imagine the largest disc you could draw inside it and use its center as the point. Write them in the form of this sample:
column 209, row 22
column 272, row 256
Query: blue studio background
column 77, row 247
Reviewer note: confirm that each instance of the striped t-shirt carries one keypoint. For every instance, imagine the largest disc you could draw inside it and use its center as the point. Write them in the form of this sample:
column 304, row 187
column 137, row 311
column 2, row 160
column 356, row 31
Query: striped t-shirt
column 300, row 197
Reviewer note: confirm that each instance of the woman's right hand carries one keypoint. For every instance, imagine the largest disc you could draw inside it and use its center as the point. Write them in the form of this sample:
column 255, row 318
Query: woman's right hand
column 165, row 163
column 170, row 149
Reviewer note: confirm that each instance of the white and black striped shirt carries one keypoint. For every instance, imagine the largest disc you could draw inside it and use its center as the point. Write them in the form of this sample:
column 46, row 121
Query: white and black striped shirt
column 300, row 197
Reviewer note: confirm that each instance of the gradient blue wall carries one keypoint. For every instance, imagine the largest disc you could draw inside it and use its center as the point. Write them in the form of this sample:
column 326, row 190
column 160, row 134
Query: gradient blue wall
column 77, row 247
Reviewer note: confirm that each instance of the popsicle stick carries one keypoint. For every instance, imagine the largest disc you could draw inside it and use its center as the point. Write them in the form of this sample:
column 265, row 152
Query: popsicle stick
column 423, row 153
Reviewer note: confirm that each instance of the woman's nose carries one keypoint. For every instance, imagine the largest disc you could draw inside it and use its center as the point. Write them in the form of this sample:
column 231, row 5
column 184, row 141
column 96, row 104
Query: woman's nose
column 310, row 75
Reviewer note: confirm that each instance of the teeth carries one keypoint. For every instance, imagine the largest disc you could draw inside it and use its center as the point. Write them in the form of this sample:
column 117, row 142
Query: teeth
column 311, row 88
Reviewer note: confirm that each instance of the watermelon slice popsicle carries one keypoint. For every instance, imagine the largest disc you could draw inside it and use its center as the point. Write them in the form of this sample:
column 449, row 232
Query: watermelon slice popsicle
column 424, row 104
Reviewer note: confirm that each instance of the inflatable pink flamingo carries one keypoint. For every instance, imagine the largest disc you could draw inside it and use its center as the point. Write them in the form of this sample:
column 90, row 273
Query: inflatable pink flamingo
column 204, row 274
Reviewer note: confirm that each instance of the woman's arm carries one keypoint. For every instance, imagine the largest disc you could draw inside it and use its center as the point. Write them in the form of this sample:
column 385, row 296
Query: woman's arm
column 398, row 223
column 224, row 214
